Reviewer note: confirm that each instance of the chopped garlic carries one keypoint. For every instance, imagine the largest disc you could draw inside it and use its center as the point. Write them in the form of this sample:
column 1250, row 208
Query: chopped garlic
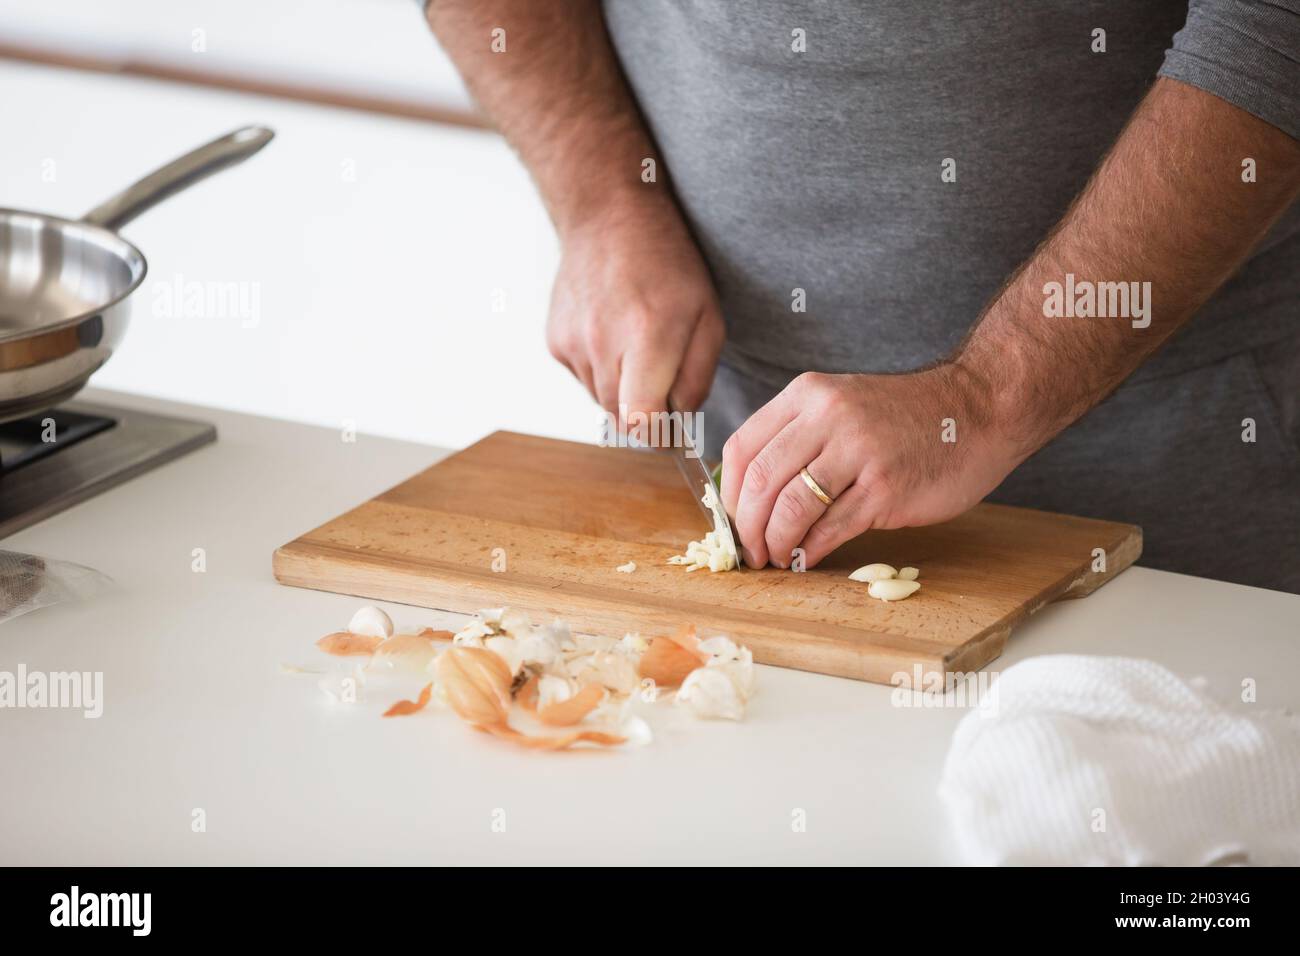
column 626, row 568
column 714, row 551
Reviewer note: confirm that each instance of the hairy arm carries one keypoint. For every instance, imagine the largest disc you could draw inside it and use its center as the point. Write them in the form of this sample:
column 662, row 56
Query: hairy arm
column 557, row 94
column 1168, row 206
column 633, row 312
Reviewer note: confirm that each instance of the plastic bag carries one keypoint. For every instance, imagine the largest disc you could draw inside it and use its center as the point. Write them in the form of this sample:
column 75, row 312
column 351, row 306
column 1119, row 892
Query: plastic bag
column 29, row 581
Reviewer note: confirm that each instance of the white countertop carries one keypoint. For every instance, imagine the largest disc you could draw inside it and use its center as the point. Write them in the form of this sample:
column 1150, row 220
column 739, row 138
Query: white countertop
column 198, row 715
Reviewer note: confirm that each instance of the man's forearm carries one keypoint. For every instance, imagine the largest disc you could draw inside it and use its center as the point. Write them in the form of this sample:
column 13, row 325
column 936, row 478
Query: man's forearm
column 1168, row 206
column 558, row 95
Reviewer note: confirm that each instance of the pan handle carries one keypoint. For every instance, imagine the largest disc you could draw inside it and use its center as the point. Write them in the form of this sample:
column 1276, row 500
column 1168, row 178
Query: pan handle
column 177, row 175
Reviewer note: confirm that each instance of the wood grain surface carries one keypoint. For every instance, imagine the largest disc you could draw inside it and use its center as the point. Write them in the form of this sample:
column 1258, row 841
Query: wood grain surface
column 565, row 515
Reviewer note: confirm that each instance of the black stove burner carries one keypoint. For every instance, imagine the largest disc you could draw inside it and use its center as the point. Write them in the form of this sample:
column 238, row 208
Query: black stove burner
column 26, row 440
column 94, row 448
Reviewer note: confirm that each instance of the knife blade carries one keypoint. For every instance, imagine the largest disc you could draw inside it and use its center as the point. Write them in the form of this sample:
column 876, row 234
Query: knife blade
column 700, row 481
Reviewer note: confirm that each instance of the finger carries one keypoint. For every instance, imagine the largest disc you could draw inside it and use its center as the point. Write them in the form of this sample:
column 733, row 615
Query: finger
column 747, row 441
column 605, row 375
column 695, row 376
column 581, row 370
column 768, row 473
column 797, row 508
column 571, row 356
column 649, row 369
column 853, row 512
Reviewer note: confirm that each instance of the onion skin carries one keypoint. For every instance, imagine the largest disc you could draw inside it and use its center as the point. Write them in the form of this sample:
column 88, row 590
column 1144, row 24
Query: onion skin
column 477, row 684
column 669, row 659
column 404, row 707
column 566, row 713
column 347, row 644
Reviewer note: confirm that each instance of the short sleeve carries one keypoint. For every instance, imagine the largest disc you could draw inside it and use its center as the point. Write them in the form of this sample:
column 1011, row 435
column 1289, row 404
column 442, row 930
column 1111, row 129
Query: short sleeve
column 1246, row 52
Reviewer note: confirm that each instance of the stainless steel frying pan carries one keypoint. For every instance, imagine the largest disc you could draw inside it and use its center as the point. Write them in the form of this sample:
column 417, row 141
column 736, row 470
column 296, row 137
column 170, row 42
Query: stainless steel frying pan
column 65, row 285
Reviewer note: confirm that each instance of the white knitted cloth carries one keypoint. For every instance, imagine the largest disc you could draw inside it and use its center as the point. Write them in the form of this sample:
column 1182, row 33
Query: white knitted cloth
column 1108, row 760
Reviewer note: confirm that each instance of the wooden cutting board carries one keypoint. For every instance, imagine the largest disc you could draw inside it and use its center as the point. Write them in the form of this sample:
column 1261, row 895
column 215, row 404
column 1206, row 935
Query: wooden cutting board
column 555, row 518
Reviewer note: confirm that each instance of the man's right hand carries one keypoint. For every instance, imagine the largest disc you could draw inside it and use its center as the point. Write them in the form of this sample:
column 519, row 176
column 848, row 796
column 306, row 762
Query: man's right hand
column 633, row 313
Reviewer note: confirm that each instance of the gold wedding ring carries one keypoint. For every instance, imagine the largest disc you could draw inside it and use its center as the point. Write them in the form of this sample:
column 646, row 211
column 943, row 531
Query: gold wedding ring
column 815, row 488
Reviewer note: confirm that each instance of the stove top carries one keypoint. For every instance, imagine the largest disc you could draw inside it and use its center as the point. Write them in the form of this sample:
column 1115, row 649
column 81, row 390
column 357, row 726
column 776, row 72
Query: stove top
column 53, row 460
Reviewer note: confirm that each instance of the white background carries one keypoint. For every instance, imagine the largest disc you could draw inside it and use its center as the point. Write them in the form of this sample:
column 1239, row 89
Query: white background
column 375, row 246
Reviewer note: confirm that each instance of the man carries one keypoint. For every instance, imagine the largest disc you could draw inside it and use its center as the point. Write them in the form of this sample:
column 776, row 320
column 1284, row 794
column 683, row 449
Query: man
column 916, row 254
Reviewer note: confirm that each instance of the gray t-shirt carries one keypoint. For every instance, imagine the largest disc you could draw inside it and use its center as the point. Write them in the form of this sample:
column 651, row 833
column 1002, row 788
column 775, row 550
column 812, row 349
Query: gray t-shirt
column 821, row 171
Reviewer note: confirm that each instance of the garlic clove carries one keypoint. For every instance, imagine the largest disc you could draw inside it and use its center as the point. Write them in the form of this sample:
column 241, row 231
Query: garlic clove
column 873, row 572
column 908, row 574
column 893, row 589
column 371, row 622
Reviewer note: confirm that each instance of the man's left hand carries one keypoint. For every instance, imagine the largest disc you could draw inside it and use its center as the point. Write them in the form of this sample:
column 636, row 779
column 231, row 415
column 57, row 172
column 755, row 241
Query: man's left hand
column 892, row 451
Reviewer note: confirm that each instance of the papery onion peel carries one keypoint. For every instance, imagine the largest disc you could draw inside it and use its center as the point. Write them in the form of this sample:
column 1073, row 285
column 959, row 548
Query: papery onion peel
column 404, row 707
column 506, row 732
column 566, row 713
column 526, row 697
column 347, row 644
column 668, row 660
column 477, row 684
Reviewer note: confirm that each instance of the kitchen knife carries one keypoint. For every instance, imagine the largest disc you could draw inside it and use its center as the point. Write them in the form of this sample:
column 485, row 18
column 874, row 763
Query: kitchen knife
column 699, row 480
